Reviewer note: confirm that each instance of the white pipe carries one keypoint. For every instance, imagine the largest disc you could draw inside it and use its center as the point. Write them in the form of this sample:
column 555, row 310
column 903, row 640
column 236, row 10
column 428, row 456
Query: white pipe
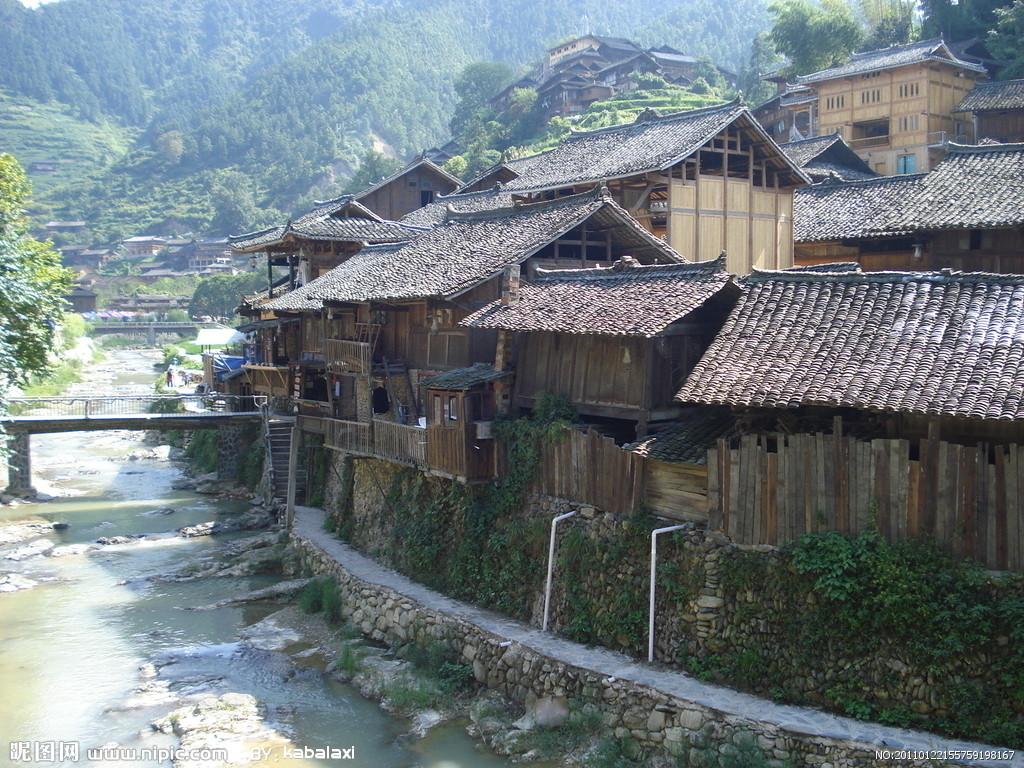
column 654, row 564
column 551, row 567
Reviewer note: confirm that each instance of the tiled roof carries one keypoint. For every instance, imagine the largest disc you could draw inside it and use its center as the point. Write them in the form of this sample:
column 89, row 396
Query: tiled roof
column 464, row 378
column 464, row 250
column 435, row 213
column 686, row 442
column 516, row 167
column 652, row 143
column 325, row 223
column 930, row 343
column 894, row 56
column 993, row 95
column 828, row 156
column 973, row 187
column 416, row 163
column 622, row 300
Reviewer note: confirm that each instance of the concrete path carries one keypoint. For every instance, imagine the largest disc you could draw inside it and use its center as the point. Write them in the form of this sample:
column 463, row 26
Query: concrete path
column 309, row 523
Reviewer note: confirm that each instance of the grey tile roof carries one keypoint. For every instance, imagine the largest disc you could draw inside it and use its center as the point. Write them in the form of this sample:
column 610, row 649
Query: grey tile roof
column 652, row 143
column 464, row 250
column 464, row 378
column 616, row 301
column 828, row 156
column 686, row 442
column 894, row 56
column 325, row 223
column 973, row 187
column 930, row 343
column 434, row 213
column 993, row 95
column 411, row 166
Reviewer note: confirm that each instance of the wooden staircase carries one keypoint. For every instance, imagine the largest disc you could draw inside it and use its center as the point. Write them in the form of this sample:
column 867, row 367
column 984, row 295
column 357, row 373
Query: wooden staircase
column 280, row 442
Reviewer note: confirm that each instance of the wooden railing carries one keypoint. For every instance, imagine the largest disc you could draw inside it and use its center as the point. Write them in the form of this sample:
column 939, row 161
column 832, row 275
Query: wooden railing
column 399, row 442
column 269, row 379
column 345, row 356
column 317, row 408
column 870, row 141
column 352, row 436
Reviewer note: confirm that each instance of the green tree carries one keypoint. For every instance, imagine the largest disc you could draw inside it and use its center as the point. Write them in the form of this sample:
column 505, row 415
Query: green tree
column 373, row 167
column 219, row 295
column 1006, row 41
column 475, row 86
column 890, row 22
column 813, row 37
column 32, row 284
column 763, row 59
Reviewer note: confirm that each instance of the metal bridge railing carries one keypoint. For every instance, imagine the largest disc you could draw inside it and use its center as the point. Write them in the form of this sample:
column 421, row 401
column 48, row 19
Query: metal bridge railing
column 86, row 406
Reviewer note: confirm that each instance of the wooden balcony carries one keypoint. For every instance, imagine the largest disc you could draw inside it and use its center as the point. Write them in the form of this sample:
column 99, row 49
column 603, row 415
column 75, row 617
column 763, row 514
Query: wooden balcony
column 399, row 442
column 456, row 452
column 869, row 141
column 351, row 436
column 345, row 356
column 270, row 380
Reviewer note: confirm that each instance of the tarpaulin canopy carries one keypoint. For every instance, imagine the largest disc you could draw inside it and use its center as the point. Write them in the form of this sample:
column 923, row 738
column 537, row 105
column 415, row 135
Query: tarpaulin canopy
column 217, row 337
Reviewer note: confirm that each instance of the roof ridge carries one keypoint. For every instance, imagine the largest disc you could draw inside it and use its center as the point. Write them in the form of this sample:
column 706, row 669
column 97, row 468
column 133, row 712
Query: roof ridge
column 701, row 268
column 598, row 192
column 728, row 105
column 974, row 149
column 940, row 276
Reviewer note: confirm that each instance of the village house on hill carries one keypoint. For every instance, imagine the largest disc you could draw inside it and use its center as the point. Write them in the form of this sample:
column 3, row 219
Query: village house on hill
column 894, row 106
column 965, row 215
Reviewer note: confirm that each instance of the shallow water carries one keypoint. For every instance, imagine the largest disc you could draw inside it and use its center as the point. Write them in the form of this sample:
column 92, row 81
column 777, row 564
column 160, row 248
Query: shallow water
column 70, row 649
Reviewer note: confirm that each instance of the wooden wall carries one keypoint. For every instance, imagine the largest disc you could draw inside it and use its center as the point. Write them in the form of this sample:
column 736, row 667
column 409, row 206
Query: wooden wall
column 770, row 489
column 603, row 371
column 405, row 194
column 1002, row 126
column 753, row 225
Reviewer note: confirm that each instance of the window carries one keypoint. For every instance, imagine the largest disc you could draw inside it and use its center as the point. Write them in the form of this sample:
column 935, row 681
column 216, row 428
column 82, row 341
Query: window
column 835, row 102
column 451, row 410
column 871, row 97
column 906, row 164
column 910, row 123
column 868, row 75
column 908, row 90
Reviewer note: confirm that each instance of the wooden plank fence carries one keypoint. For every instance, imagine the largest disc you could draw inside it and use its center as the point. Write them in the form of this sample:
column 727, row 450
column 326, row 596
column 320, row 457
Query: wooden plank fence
column 590, row 468
column 770, row 489
column 399, row 442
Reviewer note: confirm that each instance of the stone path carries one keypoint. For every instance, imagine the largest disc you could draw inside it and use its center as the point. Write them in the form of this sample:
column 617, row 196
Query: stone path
column 309, row 523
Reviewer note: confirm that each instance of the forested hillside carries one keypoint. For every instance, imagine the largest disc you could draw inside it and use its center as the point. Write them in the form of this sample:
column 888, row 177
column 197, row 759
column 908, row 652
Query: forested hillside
column 248, row 109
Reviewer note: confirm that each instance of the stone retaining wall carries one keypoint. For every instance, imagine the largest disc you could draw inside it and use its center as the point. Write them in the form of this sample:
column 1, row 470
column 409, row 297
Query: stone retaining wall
column 658, row 721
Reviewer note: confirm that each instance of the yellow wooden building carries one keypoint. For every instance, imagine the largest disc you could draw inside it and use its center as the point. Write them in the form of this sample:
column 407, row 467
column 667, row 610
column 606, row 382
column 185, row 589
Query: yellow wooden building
column 894, row 106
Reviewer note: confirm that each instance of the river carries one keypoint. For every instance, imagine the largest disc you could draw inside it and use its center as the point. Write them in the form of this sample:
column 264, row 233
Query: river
column 71, row 648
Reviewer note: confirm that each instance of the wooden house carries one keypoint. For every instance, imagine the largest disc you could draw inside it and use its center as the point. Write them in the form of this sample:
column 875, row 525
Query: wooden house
column 706, row 180
column 410, row 187
column 308, row 247
column 389, row 317
column 894, row 106
column 997, row 110
column 142, row 246
column 616, row 342
column 966, row 214
column 890, row 399
column 828, row 157
column 791, row 114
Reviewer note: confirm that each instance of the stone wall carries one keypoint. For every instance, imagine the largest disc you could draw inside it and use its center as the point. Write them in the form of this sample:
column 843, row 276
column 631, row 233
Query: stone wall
column 725, row 612
column 658, row 721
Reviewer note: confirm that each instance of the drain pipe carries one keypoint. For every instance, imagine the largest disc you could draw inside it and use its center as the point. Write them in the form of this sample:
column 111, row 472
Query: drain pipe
column 654, row 564
column 551, row 567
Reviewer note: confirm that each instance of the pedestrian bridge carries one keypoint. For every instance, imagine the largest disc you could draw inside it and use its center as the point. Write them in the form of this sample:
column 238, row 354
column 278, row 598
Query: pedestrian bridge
column 86, row 413
column 149, row 330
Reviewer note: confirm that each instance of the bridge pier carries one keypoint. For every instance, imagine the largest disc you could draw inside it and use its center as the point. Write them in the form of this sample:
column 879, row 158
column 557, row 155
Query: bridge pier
column 229, row 451
column 151, row 336
column 19, row 464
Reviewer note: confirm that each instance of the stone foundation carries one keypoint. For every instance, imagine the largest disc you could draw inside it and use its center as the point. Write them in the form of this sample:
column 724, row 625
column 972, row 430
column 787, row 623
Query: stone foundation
column 525, row 669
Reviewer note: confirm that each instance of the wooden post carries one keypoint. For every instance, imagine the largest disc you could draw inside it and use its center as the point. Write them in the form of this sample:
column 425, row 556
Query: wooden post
column 293, row 461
